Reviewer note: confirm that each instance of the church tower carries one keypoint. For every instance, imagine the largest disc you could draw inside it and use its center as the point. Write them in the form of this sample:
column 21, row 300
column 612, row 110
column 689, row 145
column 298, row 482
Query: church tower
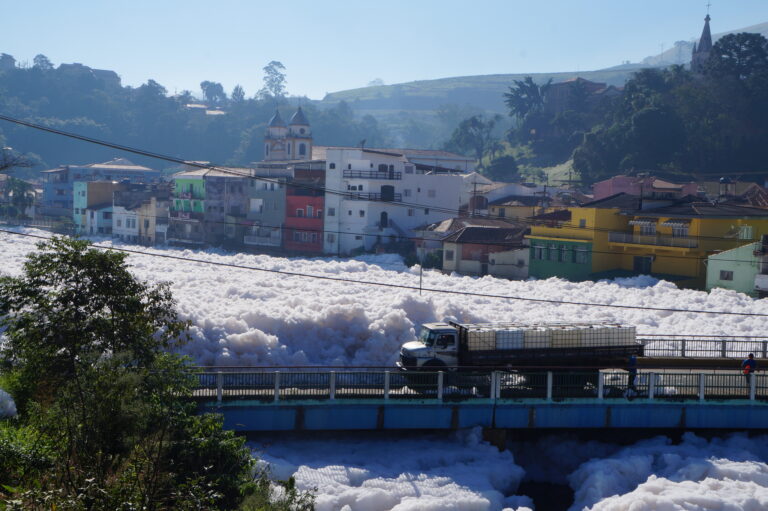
column 299, row 140
column 701, row 51
column 275, row 139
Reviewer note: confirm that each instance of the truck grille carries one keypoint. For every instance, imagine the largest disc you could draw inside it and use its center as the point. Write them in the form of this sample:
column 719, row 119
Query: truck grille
column 408, row 361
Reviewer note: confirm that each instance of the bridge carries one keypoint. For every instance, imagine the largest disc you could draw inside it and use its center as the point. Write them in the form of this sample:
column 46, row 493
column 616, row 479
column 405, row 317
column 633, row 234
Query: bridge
column 317, row 399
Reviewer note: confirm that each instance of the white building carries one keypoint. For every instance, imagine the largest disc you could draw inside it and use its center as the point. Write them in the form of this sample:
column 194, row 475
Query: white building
column 374, row 196
column 478, row 192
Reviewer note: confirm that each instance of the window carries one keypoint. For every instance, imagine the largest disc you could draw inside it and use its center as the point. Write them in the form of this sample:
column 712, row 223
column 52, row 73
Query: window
column 745, row 232
column 119, row 223
column 648, row 229
column 266, row 149
column 300, row 213
column 502, row 212
column 565, row 254
column 431, row 193
column 554, row 253
column 257, row 205
column 349, row 166
column 296, row 236
column 410, row 212
column 382, row 167
column 289, row 148
column 426, row 211
column 331, row 211
column 349, row 213
column 538, row 252
column 302, row 131
column 582, row 222
column 331, row 166
column 680, row 231
column 581, row 256
column 146, row 224
column 409, row 169
column 319, row 213
column 726, row 275
column 310, row 212
column 449, row 255
column 358, row 237
column 331, row 238
column 302, row 149
column 362, row 213
column 407, row 192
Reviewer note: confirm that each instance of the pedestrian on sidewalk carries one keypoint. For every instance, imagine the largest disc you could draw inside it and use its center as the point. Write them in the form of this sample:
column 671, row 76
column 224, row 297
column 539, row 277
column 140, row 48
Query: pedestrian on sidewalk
column 749, row 366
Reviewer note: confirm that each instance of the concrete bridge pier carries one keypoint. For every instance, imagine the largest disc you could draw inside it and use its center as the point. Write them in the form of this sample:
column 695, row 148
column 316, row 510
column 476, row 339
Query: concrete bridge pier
column 496, row 437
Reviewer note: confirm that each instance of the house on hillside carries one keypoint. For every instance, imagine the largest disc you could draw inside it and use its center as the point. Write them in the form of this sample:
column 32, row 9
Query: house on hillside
column 643, row 185
column 428, row 238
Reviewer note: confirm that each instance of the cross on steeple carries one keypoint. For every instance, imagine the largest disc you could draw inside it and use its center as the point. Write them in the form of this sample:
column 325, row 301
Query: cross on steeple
column 708, row 6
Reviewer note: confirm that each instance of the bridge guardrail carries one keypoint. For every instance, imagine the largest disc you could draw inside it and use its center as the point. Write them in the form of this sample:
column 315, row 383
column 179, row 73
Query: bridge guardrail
column 704, row 346
column 275, row 386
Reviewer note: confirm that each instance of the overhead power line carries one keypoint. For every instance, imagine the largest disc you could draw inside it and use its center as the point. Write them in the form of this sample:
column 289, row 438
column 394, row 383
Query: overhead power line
column 401, row 286
column 342, row 193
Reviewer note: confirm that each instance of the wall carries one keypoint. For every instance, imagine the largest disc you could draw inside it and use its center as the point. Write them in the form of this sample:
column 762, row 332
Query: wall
column 742, row 262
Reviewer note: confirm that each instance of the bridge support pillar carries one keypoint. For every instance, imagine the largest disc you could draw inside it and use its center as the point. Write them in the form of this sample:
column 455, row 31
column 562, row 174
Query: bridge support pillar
column 496, row 437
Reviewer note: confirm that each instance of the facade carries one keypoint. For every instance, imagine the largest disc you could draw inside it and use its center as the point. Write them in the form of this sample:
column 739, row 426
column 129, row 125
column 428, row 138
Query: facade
column 487, row 250
column 265, row 217
column 736, row 269
column 376, row 196
column 429, row 238
column 90, row 197
column 676, row 240
column 98, row 219
column 187, row 209
column 58, row 199
column 304, row 208
column 138, row 211
column 573, row 243
column 226, row 205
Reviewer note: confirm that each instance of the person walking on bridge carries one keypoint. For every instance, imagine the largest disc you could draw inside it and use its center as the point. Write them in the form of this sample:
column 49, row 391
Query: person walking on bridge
column 749, row 366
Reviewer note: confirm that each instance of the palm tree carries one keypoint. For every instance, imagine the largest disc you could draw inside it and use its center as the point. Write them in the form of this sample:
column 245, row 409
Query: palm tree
column 526, row 97
column 20, row 195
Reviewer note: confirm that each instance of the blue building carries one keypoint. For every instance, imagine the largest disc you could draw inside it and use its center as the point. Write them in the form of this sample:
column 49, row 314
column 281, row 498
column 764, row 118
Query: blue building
column 58, row 195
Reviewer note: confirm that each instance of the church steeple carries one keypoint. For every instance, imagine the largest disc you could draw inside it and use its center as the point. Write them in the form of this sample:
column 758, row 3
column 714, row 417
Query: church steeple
column 701, row 51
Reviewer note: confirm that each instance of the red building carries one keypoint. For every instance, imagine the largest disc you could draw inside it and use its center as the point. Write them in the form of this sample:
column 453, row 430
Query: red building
column 304, row 204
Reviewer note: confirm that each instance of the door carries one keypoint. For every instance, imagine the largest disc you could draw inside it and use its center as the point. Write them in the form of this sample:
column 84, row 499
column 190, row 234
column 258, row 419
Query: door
column 642, row 265
column 384, row 220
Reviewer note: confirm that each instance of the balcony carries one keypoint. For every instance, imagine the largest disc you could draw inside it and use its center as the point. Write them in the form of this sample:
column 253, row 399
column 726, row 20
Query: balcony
column 653, row 239
column 264, row 241
column 397, row 197
column 189, row 195
column 186, row 215
column 372, row 174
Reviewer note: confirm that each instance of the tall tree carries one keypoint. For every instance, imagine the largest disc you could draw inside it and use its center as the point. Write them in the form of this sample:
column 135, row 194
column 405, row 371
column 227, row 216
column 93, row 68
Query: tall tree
column 274, row 81
column 738, row 56
column 42, row 63
column 213, row 92
column 473, row 135
column 238, row 94
column 526, row 97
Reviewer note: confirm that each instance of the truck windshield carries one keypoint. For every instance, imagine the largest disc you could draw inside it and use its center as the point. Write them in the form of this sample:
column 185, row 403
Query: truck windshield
column 427, row 336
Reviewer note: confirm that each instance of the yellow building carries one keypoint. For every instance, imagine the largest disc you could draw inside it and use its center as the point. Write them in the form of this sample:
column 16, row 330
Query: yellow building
column 623, row 235
column 676, row 240
column 573, row 243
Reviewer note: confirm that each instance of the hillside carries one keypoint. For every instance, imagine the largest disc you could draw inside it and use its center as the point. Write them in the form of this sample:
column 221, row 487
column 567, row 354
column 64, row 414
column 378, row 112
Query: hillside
column 484, row 92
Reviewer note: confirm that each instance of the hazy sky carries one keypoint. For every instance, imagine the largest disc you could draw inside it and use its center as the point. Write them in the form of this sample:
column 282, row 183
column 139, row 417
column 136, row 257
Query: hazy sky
column 332, row 45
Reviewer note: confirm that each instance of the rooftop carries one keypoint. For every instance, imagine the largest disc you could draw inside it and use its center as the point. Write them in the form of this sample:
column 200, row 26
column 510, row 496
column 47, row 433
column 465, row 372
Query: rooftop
column 512, row 236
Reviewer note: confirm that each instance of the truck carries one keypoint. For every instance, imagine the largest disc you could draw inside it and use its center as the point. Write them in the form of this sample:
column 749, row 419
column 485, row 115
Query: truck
column 477, row 346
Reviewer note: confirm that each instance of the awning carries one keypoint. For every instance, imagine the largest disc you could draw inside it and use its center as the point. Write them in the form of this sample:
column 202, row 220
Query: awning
column 676, row 223
column 645, row 222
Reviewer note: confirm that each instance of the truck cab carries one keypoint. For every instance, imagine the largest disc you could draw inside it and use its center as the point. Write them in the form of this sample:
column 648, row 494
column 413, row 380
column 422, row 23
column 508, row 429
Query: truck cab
column 436, row 347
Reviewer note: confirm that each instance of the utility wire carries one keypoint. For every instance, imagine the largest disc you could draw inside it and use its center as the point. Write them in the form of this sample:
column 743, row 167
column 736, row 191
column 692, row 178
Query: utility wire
column 322, row 231
column 400, row 286
column 345, row 194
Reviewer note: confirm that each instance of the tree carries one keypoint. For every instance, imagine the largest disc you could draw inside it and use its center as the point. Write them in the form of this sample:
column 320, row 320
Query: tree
column 473, row 135
column 42, row 63
column 274, row 81
column 19, row 195
column 10, row 159
column 213, row 92
column 738, row 56
column 238, row 94
column 526, row 97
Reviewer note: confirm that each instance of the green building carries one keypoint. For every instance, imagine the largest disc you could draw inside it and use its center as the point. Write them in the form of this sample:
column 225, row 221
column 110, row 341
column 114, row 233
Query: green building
column 738, row 269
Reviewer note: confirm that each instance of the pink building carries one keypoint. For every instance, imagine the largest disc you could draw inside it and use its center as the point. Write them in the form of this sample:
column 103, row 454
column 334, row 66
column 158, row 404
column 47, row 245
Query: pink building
column 646, row 186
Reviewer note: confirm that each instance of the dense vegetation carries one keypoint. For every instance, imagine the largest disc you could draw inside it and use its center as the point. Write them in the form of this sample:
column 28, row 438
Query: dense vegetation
column 75, row 99
column 105, row 420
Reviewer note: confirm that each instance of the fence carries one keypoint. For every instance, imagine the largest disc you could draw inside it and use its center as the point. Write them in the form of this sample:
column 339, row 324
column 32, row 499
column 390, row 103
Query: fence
column 704, row 346
column 271, row 386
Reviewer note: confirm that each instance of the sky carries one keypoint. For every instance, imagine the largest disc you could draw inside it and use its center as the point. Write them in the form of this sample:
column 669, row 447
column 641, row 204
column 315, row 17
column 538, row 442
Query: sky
column 342, row 44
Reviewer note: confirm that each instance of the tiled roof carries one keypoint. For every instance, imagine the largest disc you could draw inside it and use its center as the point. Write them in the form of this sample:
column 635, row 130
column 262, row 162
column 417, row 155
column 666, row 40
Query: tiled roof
column 516, row 200
column 561, row 215
column 706, row 210
column 512, row 236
